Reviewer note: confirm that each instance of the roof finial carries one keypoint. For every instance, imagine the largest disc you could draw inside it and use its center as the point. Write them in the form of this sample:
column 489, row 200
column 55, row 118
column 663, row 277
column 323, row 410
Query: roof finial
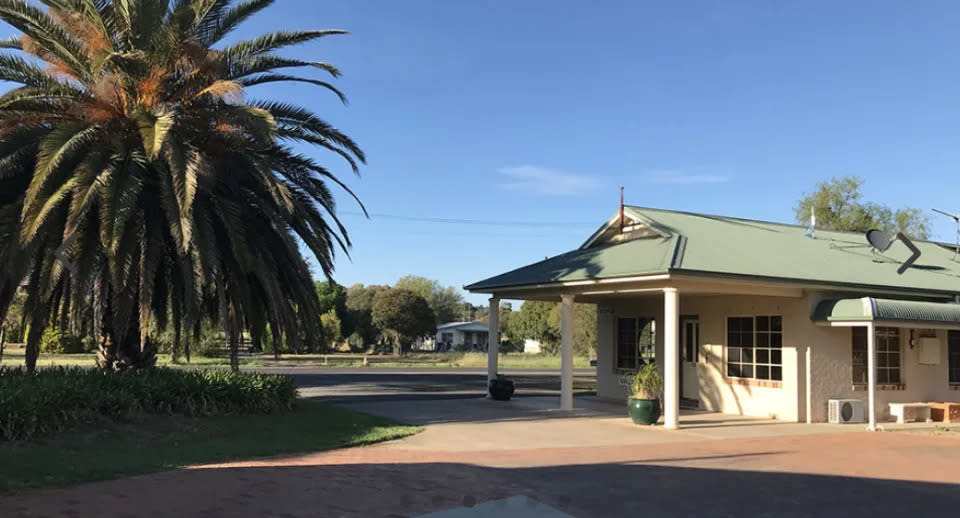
column 621, row 209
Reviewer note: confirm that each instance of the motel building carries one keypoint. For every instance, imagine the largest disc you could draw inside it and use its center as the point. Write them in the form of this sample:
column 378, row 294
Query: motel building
column 756, row 318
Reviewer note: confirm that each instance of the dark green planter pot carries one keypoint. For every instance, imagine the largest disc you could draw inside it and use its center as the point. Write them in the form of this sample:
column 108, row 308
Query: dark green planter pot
column 644, row 411
column 501, row 390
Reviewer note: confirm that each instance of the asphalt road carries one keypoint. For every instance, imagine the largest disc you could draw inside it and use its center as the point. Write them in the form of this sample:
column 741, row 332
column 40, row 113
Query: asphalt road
column 353, row 385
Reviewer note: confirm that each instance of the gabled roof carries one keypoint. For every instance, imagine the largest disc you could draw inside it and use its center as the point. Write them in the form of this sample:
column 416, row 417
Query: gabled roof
column 464, row 326
column 688, row 242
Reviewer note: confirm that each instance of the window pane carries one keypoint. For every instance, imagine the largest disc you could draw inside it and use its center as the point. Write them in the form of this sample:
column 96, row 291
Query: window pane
column 746, row 371
column 776, row 373
column 733, row 370
column 746, row 355
column 763, row 372
column 775, row 357
column 882, row 377
column 763, row 356
column 893, row 360
column 776, row 340
column 953, row 355
column 733, row 354
column 776, row 323
column 733, row 339
column 763, row 340
column 746, row 325
column 763, row 323
column 733, row 325
column 894, row 376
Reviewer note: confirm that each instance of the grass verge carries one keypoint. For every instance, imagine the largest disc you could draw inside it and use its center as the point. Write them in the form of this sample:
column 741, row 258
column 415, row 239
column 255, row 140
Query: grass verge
column 470, row 360
column 157, row 443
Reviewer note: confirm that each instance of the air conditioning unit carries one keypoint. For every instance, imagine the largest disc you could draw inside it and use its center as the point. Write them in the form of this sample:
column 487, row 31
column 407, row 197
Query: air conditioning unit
column 844, row 411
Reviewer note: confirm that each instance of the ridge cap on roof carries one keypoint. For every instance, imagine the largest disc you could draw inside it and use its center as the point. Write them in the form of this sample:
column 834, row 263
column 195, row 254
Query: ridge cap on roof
column 768, row 222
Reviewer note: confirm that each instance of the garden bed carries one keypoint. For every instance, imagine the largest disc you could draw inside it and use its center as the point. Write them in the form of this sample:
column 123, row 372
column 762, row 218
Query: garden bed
column 56, row 399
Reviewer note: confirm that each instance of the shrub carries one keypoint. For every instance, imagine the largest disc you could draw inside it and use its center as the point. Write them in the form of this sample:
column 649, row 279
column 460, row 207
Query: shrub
column 211, row 346
column 647, row 383
column 56, row 342
column 52, row 400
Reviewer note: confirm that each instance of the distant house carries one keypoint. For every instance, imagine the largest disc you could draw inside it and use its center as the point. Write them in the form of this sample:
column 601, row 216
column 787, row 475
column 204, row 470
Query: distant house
column 458, row 336
column 756, row 318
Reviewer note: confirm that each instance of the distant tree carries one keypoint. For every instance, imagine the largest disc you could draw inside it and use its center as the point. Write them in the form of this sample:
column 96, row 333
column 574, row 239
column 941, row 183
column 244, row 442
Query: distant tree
column 446, row 302
column 359, row 303
column 333, row 297
column 541, row 321
column 468, row 312
column 838, row 206
column 584, row 327
column 331, row 325
column 404, row 313
column 533, row 322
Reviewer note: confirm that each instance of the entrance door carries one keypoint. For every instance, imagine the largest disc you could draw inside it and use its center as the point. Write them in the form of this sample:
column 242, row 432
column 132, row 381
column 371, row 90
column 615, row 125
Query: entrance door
column 689, row 357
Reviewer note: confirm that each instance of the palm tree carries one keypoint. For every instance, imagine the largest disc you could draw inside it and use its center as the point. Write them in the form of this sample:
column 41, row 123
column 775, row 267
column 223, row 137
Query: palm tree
column 139, row 185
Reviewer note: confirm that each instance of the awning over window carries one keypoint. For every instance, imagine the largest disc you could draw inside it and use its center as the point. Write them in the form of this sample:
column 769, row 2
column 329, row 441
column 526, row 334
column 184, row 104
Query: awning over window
column 887, row 310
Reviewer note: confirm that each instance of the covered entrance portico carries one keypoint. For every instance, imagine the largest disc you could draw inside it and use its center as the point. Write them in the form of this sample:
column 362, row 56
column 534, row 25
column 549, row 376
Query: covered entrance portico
column 677, row 348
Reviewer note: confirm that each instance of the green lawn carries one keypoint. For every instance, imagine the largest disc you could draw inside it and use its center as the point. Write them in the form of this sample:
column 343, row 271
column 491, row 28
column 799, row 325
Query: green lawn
column 14, row 357
column 156, row 443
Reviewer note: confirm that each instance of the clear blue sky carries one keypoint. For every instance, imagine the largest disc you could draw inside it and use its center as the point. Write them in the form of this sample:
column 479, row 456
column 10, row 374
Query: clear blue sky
column 537, row 111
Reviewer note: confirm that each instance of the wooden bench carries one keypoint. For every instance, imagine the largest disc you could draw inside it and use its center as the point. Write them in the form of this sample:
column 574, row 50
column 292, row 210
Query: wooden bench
column 912, row 411
column 945, row 411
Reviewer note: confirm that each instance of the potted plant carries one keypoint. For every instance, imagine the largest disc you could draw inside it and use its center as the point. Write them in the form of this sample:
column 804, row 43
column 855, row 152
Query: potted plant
column 643, row 404
column 501, row 388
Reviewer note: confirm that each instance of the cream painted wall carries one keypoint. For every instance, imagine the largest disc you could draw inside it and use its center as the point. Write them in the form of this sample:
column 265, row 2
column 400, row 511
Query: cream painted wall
column 715, row 392
column 830, row 348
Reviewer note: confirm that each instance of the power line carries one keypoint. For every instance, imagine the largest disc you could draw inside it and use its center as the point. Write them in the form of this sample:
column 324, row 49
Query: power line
column 458, row 221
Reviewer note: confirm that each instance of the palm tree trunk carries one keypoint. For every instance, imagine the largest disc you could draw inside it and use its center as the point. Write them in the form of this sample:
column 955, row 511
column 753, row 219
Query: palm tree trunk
column 32, row 350
column 175, row 353
column 275, row 335
column 233, row 329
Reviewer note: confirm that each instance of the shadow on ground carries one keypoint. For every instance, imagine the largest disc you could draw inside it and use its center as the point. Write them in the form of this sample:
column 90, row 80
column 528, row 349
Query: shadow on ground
column 407, row 490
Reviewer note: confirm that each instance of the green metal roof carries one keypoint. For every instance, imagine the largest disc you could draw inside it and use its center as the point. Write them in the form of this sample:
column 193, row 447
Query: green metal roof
column 887, row 310
column 726, row 246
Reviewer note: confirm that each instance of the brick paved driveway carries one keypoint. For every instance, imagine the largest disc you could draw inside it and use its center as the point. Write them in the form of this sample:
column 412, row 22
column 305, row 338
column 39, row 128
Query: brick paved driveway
column 590, row 464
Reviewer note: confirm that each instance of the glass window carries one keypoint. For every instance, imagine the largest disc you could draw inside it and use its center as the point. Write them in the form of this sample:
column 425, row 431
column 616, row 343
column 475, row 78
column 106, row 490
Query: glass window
column 636, row 342
column 859, row 360
column 953, row 353
column 754, row 347
column 888, row 355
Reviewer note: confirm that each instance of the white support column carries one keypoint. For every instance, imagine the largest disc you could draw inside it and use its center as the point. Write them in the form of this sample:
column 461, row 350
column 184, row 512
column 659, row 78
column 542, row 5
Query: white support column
column 809, row 384
column 493, row 339
column 871, row 377
column 566, row 352
column 671, row 358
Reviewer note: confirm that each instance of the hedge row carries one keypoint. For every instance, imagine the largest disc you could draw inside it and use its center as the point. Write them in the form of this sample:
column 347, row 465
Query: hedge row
column 55, row 399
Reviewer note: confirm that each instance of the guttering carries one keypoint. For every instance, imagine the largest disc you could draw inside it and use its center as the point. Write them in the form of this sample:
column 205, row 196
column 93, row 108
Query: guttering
column 569, row 284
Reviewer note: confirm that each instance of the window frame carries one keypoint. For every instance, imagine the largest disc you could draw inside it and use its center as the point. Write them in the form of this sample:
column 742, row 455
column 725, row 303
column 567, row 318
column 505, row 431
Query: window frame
column 884, row 353
column 757, row 347
column 640, row 358
column 953, row 355
column 881, row 365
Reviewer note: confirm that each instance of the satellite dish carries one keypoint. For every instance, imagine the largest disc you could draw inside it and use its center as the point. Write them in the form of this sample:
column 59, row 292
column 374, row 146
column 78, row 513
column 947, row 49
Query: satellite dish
column 880, row 240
